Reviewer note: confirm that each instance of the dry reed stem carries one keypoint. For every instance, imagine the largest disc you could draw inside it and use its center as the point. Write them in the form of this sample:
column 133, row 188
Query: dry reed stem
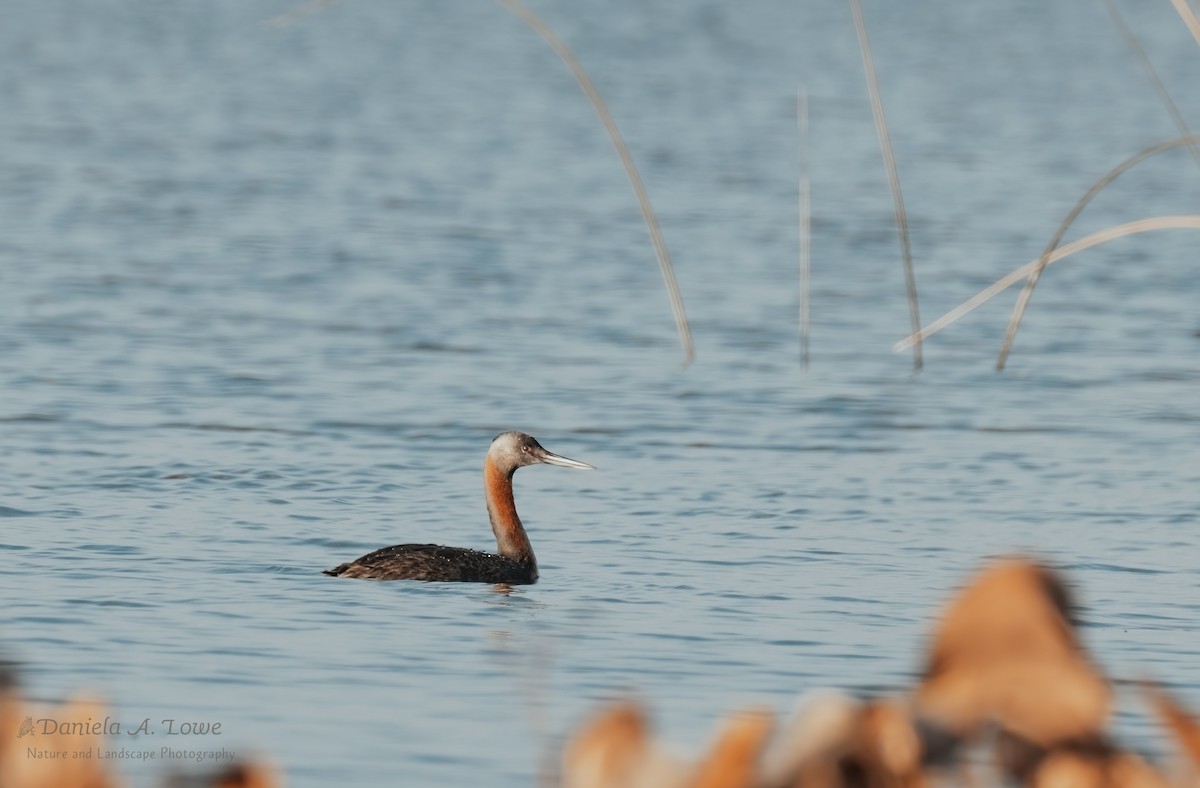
column 589, row 90
column 1189, row 18
column 1022, row 304
column 1184, row 727
column 1152, row 75
column 615, row 748
column 889, row 162
column 1186, row 222
column 805, row 206
column 1005, row 651
column 733, row 759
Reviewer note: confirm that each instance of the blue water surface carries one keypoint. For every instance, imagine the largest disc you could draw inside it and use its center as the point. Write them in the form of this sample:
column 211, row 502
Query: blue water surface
column 267, row 291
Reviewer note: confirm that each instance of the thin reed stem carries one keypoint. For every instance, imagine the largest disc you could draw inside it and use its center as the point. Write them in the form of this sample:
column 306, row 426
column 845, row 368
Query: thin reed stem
column 805, row 206
column 1189, row 18
column 593, row 96
column 1152, row 75
column 1019, row 308
column 1186, row 222
column 889, row 162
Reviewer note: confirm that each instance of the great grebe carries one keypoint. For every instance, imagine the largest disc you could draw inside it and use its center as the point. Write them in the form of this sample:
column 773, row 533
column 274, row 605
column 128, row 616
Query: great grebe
column 513, row 562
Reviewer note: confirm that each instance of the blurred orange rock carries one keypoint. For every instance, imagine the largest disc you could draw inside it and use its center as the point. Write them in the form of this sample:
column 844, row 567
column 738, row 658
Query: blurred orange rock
column 1006, row 652
column 62, row 755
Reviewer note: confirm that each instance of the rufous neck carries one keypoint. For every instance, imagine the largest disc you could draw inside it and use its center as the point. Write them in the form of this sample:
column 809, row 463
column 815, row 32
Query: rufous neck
column 511, row 539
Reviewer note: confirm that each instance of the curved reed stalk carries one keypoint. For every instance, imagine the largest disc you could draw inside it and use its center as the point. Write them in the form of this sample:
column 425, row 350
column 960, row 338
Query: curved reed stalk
column 1186, row 222
column 589, row 90
column 889, row 162
column 1152, row 75
column 1189, row 18
column 1014, row 322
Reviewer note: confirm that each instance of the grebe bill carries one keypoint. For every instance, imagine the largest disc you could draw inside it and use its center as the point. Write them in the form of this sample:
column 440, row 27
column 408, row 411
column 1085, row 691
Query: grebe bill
column 513, row 563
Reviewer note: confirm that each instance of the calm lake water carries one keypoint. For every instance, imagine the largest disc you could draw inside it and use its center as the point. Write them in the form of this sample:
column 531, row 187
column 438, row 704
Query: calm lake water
column 267, row 293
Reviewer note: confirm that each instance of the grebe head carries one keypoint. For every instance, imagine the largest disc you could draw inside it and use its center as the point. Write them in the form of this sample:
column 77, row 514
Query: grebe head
column 512, row 450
